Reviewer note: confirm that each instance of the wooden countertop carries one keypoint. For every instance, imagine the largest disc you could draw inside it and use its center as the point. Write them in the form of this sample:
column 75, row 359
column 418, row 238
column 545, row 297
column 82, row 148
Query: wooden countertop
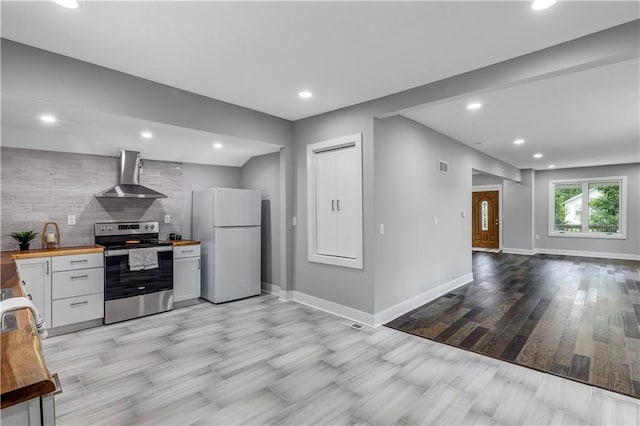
column 62, row 251
column 24, row 372
column 185, row 243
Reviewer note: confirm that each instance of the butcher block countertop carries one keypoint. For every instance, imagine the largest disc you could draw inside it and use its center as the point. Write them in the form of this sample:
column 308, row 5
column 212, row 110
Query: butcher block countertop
column 179, row 243
column 62, row 251
column 24, row 372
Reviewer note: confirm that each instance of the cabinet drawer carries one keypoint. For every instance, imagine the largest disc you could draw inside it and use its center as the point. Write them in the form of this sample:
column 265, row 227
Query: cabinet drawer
column 77, row 261
column 77, row 283
column 186, row 251
column 77, row 309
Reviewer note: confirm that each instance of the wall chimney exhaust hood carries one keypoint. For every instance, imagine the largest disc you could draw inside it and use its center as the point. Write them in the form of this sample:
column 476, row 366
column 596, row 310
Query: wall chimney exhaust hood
column 129, row 180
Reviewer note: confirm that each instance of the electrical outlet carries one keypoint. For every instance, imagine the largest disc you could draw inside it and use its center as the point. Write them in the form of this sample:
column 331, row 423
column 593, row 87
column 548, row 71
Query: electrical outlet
column 435, row 221
column 167, row 218
column 537, row 236
column 294, row 221
column 71, row 219
column 382, row 229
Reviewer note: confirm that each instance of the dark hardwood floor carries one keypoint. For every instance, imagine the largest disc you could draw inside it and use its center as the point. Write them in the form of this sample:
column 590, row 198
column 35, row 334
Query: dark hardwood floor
column 575, row 317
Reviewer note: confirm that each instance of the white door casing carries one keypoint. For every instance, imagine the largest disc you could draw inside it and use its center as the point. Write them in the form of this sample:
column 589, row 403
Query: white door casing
column 334, row 201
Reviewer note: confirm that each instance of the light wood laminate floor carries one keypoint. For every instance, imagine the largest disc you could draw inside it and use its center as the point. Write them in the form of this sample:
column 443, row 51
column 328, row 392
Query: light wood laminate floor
column 263, row 361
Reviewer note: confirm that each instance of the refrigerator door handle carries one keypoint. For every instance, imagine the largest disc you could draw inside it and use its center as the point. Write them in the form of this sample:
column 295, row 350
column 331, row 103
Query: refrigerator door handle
column 332, row 205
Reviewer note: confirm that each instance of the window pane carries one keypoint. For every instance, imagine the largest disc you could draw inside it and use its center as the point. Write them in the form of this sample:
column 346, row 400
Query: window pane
column 568, row 212
column 485, row 216
column 604, row 207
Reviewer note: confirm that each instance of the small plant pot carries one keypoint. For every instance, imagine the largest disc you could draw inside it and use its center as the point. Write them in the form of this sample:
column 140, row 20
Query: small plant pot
column 24, row 246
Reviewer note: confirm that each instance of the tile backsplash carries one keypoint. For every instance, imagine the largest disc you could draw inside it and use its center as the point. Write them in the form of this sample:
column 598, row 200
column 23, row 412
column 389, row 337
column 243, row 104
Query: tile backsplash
column 44, row 186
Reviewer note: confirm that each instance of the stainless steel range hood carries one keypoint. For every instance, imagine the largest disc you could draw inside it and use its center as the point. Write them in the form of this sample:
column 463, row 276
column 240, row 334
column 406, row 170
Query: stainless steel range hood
column 129, row 180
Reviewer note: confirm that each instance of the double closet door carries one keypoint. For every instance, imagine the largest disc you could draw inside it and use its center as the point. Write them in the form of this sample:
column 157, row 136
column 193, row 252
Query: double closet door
column 338, row 189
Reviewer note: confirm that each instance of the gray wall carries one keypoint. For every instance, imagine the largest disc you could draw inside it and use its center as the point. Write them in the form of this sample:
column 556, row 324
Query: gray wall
column 517, row 211
column 480, row 179
column 630, row 245
column 263, row 173
column 346, row 286
column 198, row 176
column 43, row 186
column 414, row 255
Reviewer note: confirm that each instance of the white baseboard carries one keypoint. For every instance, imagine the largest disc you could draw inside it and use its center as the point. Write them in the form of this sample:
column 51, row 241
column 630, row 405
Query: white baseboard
column 402, row 308
column 383, row 317
column 486, row 250
column 598, row 254
column 525, row 252
column 331, row 307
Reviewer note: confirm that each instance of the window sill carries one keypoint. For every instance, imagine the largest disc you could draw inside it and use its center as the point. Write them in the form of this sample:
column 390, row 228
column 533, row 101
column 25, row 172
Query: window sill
column 588, row 235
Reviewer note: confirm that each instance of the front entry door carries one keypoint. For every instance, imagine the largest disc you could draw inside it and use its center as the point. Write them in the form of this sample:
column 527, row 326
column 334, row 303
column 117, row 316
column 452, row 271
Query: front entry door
column 486, row 220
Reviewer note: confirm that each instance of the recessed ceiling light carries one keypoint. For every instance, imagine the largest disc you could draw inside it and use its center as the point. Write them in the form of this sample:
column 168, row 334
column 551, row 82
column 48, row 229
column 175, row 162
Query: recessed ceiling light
column 474, row 105
column 537, row 155
column 69, row 4
column 48, row 118
column 217, row 145
column 518, row 141
column 542, row 4
column 552, row 166
column 305, row 94
column 146, row 135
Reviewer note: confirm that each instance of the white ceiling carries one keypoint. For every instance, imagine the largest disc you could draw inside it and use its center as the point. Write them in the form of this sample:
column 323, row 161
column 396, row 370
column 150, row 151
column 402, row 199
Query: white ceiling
column 586, row 118
column 260, row 54
column 92, row 132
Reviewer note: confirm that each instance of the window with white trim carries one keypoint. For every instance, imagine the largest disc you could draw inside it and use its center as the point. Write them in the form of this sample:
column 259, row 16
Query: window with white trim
column 592, row 208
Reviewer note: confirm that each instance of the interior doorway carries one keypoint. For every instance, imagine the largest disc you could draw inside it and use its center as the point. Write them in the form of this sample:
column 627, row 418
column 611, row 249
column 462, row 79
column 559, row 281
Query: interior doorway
column 485, row 220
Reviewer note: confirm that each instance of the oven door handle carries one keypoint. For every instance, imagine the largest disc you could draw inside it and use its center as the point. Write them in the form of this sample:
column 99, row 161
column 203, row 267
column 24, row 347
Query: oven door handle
column 125, row 252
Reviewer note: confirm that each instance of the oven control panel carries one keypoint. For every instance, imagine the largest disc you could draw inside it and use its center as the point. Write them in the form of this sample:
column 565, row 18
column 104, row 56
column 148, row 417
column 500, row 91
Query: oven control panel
column 125, row 228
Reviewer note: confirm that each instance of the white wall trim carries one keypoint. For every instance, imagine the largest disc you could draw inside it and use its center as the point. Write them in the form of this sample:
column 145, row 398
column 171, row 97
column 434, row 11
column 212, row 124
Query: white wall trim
column 600, row 254
column 313, row 149
column 494, row 187
column 526, row 252
column 382, row 317
column 402, row 308
column 331, row 307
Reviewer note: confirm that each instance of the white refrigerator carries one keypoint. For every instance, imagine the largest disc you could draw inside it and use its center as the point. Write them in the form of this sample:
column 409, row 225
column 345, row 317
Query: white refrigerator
column 227, row 223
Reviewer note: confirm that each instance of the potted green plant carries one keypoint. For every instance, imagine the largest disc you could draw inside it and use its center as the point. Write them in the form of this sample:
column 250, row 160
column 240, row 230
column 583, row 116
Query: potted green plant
column 24, row 238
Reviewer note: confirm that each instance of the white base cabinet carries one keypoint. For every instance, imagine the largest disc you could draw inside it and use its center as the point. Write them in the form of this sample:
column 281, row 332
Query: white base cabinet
column 35, row 274
column 35, row 412
column 65, row 289
column 186, row 273
column 77, row 289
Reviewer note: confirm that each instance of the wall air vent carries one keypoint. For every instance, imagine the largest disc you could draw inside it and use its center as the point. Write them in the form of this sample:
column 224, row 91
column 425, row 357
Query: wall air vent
column 443, row 166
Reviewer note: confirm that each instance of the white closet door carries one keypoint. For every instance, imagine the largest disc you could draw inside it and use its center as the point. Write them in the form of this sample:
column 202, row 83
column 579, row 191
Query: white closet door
column 326, row 203
column 348, row 202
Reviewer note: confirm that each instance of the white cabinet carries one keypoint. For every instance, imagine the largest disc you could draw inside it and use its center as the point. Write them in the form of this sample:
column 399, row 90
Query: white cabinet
column 186, row 273
column 39, row 411
column 77, row 289
column 335, row 201
column 35, row 273
column 65, row 289
column 24, row 414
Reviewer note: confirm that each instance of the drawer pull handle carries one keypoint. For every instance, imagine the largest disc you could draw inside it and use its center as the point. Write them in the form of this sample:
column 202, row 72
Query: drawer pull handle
column 79, row 303
column 80, row 261
column 187, row 251
column 78, row 277
column 142, row 288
